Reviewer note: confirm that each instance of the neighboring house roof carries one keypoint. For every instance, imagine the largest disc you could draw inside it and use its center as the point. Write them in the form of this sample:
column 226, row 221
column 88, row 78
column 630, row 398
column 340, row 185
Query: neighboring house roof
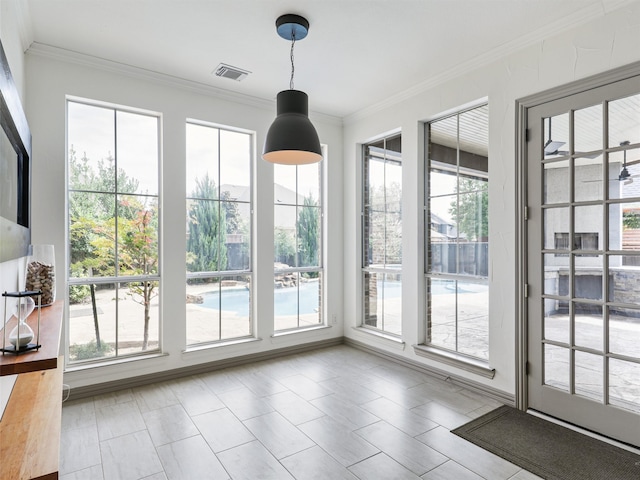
column 286, row 218
column 282, row 194
column 435, row 219
column 286, row 196
column 241, row 193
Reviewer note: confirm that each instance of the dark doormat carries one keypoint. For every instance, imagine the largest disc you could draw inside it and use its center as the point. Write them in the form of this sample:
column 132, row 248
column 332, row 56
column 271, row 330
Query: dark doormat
column 549, row 450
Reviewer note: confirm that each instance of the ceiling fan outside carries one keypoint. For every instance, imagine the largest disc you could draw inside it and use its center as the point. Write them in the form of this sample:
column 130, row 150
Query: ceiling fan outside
column 552, row 147
column 624, row 173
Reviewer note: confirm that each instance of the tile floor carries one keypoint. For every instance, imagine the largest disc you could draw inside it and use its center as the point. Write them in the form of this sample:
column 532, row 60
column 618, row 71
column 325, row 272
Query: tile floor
column 334, row 413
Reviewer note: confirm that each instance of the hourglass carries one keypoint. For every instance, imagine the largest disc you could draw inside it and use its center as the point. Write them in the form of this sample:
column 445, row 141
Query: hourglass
column 21, row 336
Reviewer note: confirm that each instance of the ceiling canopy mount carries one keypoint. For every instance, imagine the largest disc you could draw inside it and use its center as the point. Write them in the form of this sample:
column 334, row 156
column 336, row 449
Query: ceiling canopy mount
column 292, row 27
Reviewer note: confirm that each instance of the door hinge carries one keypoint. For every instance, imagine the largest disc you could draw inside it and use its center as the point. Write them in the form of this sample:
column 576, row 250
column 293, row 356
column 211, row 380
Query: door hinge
column 525, row 290
column 525, row 213
column 526, row 134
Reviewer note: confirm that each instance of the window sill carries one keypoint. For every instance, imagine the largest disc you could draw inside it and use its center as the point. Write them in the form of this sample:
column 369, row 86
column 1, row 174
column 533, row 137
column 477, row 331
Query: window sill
column 77, row 367
column 285, row 333
column 227, row 343
column 385, row 338
column 458, row 360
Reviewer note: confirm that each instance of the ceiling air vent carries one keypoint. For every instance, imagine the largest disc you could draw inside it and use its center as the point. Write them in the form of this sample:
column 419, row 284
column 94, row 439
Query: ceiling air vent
column 227, row 71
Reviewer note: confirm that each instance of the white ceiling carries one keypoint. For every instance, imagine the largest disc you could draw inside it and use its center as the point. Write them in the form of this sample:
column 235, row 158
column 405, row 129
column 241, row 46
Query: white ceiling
column 357, row 54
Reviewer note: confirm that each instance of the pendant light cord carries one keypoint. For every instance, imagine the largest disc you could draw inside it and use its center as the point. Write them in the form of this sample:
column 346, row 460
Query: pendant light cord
column 293, row 68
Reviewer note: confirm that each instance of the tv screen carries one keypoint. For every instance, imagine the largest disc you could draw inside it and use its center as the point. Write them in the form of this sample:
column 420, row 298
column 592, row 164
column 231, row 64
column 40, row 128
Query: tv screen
column 15, row 163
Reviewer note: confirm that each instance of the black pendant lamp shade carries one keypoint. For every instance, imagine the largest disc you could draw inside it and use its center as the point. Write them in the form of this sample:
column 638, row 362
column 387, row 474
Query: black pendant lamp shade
column 292, row 138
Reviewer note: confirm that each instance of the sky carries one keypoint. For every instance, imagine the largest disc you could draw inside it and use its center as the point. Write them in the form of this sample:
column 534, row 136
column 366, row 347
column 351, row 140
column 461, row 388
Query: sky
column 133, row 140
column 205, row 144
column 92, row 132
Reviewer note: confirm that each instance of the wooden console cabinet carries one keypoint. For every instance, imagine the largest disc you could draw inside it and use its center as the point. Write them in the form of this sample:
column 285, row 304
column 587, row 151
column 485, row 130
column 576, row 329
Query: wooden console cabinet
column 30, row 426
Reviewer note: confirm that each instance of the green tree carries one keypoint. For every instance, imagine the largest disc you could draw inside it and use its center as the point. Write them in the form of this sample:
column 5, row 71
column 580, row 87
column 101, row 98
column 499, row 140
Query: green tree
column 308, row 231
column 88, row 209
column 93, row 217
column 82, row 212
column 136, row 237
column 285, row 246
column 237, row 253
column 631, row 220
column 139, row 255
column 232, row 215
column 471, row 211
column 207, row 224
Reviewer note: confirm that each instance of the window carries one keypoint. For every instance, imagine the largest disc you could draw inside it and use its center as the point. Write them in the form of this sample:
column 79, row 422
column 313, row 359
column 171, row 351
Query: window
column 561, row 242
column 112, row 194
column 581, row 241
column 297, row 246
column 457, row 236
column 219, row 208
column 382, row 235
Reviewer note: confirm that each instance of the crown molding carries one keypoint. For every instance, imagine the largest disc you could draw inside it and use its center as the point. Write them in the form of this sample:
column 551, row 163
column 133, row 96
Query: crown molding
column 70, row 56
column 577, row 19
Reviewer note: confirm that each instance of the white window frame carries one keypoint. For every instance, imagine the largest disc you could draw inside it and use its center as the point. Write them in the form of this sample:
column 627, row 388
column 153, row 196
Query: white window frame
column 229, row 274
column 427, row 349
column 117, row 279
column 367, row 268
column 321, row 252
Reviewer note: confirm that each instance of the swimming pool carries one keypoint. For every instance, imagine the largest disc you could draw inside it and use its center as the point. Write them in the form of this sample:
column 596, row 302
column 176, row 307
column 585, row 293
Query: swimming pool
column 236, row 300
column 285, row 300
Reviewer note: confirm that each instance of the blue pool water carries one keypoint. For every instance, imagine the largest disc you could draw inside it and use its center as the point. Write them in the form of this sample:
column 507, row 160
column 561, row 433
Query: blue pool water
column 234, row 300
column 286, row 299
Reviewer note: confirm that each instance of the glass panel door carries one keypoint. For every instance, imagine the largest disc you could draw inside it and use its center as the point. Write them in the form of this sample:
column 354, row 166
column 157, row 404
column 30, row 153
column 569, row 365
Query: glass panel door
column 583, row 259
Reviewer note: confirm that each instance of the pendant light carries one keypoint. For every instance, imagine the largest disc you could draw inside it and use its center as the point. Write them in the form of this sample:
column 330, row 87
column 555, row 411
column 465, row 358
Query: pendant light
column 292, row 138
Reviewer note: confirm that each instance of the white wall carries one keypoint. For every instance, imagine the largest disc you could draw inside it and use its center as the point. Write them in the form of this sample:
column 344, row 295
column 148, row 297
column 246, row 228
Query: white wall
column 12, row 272
column 14, row 41
column 608, row 42
column 51, row 75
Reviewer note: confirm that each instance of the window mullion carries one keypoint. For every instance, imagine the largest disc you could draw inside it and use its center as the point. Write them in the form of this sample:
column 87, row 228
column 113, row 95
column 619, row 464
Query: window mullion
column 116, row 249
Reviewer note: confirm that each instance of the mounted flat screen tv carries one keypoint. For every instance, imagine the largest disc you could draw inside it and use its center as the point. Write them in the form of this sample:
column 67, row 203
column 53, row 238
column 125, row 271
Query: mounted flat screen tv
column 15, row 169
